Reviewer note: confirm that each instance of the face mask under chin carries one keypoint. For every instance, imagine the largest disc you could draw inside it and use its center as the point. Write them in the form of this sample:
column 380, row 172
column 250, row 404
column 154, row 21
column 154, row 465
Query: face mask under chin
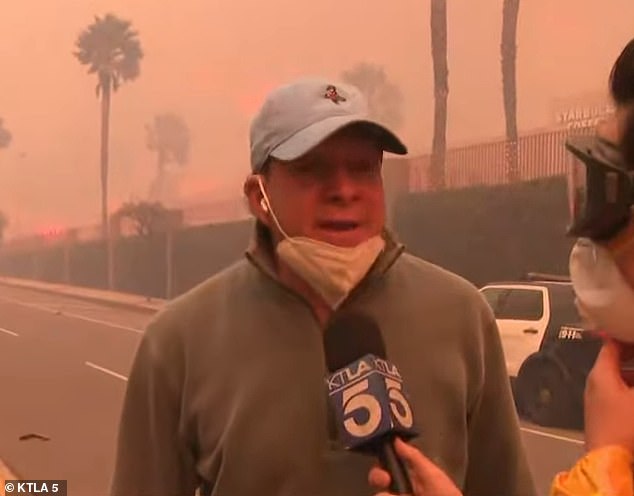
column 332, row 271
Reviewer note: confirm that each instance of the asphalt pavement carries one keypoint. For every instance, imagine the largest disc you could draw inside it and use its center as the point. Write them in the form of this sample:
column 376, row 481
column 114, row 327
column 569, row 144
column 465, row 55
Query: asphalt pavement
column 63, row 371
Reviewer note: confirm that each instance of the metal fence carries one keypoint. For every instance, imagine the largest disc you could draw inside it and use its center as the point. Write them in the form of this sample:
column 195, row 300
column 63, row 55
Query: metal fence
column 539, row 155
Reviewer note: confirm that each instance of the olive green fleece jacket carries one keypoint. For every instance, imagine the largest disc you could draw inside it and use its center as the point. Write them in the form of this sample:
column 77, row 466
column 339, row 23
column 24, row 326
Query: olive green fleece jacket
column 227, row 391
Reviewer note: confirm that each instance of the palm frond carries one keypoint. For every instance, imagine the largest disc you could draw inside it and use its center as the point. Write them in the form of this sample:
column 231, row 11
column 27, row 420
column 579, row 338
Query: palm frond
column 110, row 45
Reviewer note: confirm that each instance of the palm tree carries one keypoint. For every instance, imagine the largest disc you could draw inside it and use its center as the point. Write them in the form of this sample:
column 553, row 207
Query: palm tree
column 169, row 137
column 510, row 12
column 112, row 51
column 5, row 136
column 441, row 91
column 385, row 99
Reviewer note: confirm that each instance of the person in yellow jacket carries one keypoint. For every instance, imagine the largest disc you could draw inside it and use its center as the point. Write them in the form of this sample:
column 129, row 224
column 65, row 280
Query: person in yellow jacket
column 602, row 274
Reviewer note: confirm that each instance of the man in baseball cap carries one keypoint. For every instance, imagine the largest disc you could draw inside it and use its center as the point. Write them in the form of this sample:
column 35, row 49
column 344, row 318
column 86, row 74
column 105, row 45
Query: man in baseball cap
column 317, row 186
column 227, row 393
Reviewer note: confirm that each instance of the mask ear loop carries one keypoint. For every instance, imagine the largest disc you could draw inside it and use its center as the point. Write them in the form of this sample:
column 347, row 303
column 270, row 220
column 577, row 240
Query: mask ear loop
column 266, row 206
column 265, row 200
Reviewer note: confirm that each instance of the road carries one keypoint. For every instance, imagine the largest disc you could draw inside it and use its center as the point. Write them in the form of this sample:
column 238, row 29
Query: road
column 63, row 368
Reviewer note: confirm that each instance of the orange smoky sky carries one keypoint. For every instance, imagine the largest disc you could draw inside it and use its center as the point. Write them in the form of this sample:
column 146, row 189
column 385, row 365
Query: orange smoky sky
column 212, row 61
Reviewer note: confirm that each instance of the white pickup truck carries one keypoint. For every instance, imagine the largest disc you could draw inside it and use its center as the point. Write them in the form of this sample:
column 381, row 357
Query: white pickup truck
column 547, row 352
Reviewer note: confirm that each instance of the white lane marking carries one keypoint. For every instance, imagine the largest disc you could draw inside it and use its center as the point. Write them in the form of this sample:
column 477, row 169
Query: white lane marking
column 106, row 371
column 553, row 436
column 103, row 322
column 56, row 311
column 10, row 333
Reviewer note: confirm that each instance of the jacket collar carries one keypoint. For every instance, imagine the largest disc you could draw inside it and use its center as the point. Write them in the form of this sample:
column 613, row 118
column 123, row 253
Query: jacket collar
column 261, row 253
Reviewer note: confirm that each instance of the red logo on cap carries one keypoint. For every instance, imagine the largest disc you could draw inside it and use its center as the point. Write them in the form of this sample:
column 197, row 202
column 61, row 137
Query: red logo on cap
column 331, row 94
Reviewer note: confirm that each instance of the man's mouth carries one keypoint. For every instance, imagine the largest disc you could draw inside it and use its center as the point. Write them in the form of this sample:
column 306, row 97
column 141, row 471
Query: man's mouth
column 339, row 225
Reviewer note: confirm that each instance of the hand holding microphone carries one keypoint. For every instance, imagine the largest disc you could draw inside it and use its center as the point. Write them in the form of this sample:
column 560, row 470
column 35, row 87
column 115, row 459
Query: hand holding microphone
column 427, row 479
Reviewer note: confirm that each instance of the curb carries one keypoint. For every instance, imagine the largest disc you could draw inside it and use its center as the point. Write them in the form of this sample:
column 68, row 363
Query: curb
column 5, row 475
column 57, row 290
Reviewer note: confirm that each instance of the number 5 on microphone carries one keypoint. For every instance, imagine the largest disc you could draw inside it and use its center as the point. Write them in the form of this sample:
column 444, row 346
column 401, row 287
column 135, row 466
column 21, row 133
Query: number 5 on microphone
column 355, row 400
column 399, row 406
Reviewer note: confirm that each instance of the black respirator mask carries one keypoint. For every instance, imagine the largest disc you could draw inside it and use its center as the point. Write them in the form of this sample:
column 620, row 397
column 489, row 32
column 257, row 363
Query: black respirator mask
column 600, row 188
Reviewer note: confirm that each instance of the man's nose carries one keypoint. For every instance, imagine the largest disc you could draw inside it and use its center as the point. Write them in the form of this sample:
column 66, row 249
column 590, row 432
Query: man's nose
column 341, row 186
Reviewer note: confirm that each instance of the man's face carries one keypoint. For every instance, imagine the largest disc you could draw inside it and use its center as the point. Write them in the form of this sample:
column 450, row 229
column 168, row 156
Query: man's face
column 332, row 194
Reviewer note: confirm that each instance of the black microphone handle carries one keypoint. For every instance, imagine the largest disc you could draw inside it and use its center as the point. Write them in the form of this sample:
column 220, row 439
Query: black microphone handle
column 390, row 461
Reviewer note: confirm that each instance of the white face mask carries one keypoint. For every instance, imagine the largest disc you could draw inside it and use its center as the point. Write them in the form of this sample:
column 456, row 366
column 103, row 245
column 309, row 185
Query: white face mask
column 604, row 298
column 332, row 271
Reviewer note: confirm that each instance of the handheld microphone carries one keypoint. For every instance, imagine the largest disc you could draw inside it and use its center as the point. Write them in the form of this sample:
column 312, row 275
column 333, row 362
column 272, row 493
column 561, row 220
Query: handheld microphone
column 366, row 394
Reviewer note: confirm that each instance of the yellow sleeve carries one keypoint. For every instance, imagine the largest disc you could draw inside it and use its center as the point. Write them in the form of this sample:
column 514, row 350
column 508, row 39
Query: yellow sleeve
column 603, row 472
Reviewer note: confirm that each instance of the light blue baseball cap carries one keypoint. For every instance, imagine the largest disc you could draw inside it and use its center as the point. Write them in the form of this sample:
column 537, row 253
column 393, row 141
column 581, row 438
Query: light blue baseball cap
column 297, row 117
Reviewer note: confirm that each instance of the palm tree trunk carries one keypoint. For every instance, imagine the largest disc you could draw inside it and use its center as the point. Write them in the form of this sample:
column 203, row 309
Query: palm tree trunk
column 510, row 12
column 105, row 225
column 441, row 91
column 105, row 122
column 160, row 177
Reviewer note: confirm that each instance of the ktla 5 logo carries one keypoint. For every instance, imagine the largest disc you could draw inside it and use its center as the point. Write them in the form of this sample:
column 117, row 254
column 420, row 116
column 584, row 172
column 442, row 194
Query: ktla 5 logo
column 370, row 400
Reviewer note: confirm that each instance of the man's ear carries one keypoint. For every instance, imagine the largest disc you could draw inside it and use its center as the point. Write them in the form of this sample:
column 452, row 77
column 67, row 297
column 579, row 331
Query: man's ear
column 257, row 204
